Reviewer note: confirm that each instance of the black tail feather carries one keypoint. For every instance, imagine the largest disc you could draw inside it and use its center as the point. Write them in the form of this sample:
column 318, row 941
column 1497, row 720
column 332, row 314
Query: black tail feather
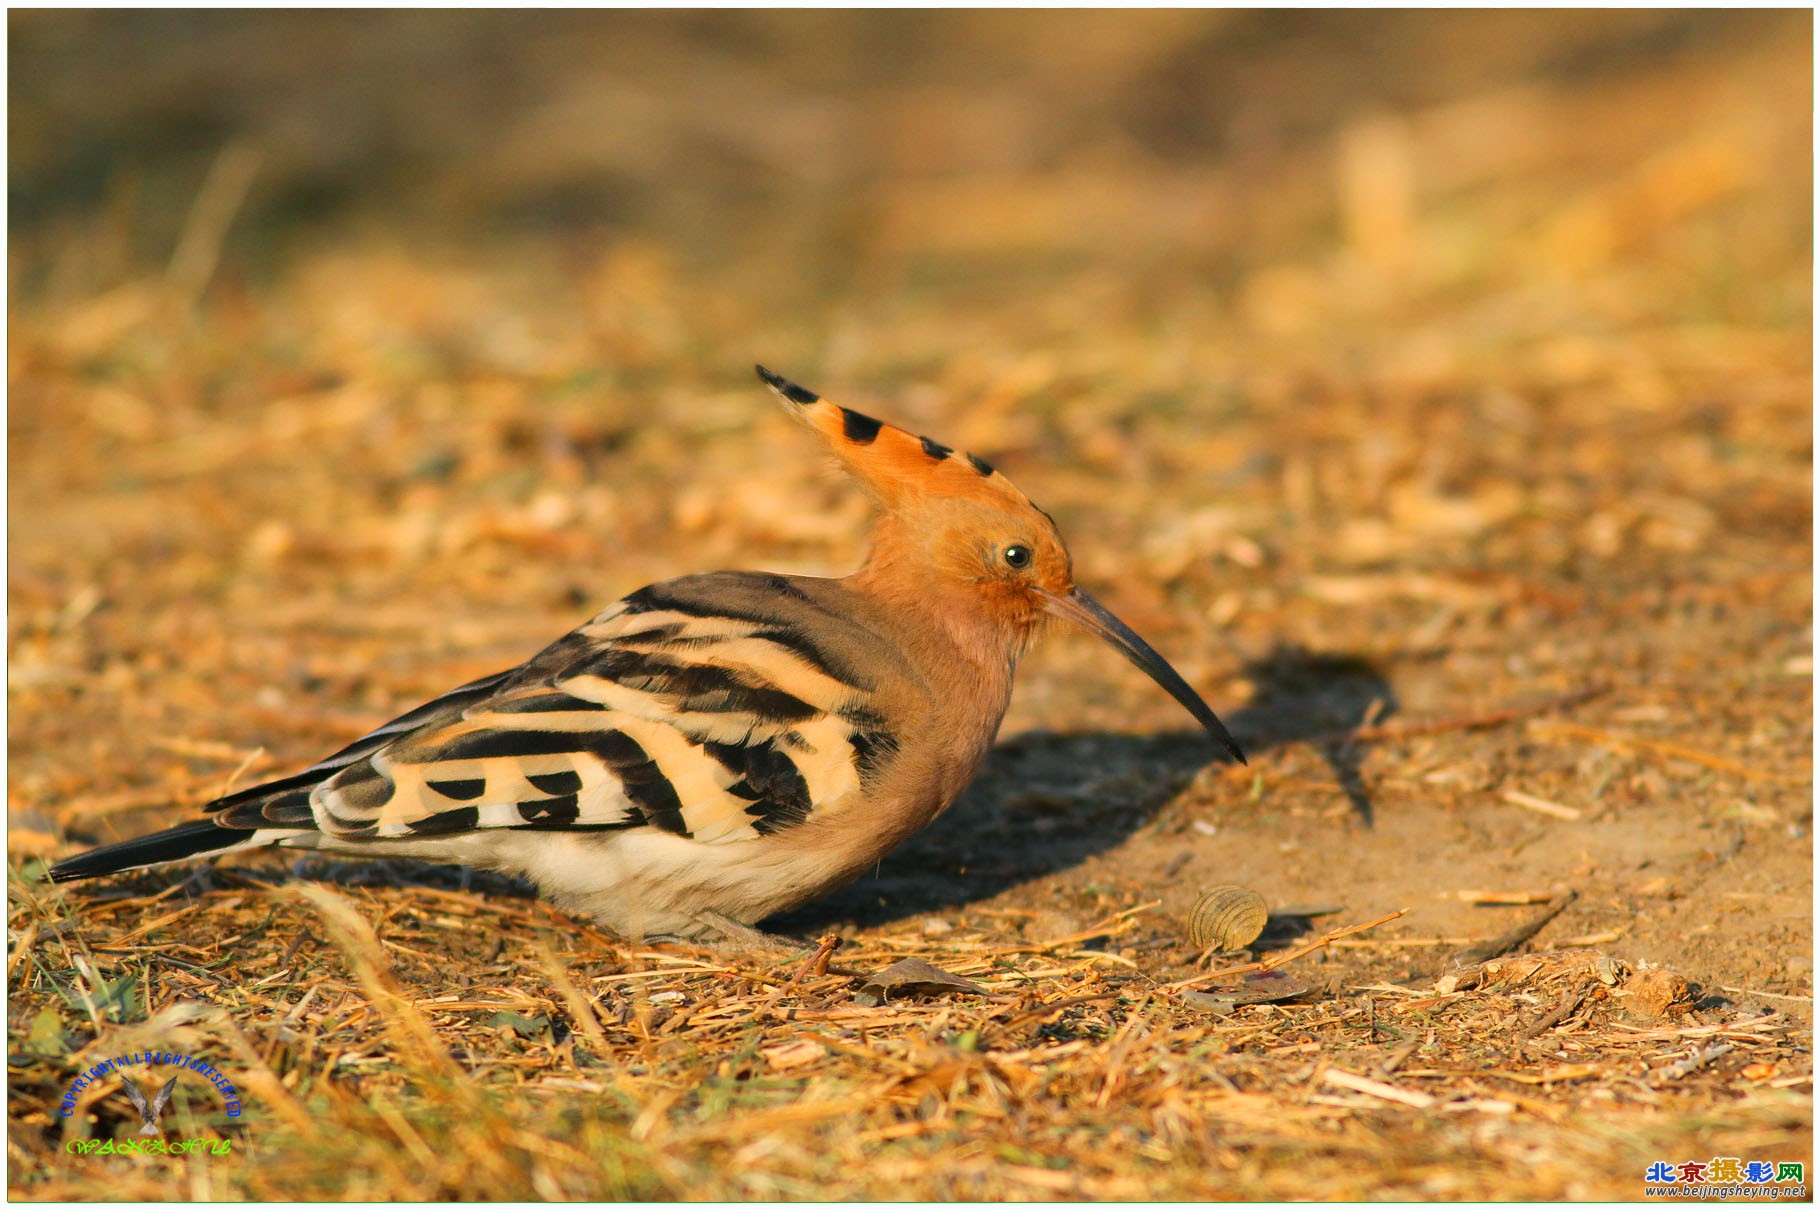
column 173, row 844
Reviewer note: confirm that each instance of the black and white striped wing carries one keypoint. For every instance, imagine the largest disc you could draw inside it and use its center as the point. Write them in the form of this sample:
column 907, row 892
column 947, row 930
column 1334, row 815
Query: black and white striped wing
column 286, row 802
column 710, row 718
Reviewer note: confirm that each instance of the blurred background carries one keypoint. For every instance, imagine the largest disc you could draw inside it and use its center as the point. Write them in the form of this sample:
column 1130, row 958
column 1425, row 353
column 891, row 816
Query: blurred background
column 405, row 339
column 1195, row 173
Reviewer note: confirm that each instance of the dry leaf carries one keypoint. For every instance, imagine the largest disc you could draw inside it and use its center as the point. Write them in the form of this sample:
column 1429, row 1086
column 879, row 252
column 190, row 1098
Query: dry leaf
column 1256, row 987
column 913, row 977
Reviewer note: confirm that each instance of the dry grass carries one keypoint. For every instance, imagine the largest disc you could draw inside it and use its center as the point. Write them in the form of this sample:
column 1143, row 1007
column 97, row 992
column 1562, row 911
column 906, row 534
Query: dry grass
column 469, row 1046
column 1434, row 389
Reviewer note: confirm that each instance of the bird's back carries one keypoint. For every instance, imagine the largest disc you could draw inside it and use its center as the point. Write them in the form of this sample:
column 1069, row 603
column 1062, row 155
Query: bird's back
column 636, row 766
column 718, row 747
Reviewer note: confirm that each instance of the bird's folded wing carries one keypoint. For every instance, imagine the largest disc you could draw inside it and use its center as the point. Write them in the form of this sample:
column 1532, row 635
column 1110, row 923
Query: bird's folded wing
column 714, row 726
column 287, row 800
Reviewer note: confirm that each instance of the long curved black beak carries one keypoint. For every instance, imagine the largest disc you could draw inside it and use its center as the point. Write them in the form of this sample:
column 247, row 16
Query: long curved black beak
column 1089, row 614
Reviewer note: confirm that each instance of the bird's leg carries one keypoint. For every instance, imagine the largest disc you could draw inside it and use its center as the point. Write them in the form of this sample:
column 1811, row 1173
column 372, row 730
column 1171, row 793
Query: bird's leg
column 735, row 935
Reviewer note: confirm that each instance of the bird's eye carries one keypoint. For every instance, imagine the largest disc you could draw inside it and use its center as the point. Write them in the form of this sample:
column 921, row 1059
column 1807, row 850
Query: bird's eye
column 1017, row 558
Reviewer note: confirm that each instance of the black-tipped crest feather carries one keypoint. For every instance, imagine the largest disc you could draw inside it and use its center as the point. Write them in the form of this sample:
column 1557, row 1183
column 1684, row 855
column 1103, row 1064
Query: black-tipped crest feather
column 789, row 390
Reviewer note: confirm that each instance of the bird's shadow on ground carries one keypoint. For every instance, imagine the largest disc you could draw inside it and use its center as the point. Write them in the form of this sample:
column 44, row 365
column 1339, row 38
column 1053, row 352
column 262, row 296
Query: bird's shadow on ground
column 1045, row 802
column 1042, row 802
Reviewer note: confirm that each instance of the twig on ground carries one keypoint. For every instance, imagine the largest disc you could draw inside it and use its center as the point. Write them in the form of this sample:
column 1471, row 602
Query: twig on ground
column 1570, row 1001
column 1376, row 1088
column 1503, row 943
column 1633, row 743
column 1747, row 991
column 1466, row 722
column 1541, row 806
column 1301, row 951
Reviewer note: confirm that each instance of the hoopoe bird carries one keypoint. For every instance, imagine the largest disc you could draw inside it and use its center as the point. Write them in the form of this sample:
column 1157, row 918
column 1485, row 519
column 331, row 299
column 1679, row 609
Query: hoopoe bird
column 714, row 749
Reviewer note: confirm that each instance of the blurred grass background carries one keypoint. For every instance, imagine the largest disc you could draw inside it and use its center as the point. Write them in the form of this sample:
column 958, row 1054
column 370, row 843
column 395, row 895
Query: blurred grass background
column 853, row 160
column 354, row 354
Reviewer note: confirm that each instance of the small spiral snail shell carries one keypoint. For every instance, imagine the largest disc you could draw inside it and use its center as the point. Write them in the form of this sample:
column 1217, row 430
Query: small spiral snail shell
column 1226, row 918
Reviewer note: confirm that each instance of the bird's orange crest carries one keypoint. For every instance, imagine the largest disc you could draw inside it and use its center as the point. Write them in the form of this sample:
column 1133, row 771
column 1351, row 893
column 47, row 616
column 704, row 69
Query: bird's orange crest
column 899, row 466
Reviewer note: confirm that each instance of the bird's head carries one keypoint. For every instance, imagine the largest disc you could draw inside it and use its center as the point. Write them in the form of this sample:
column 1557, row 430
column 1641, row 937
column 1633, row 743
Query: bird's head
column 952, row 530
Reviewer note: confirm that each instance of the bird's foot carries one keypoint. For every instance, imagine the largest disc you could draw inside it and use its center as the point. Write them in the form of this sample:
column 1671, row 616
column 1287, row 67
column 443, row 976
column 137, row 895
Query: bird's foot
column 720, row 932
